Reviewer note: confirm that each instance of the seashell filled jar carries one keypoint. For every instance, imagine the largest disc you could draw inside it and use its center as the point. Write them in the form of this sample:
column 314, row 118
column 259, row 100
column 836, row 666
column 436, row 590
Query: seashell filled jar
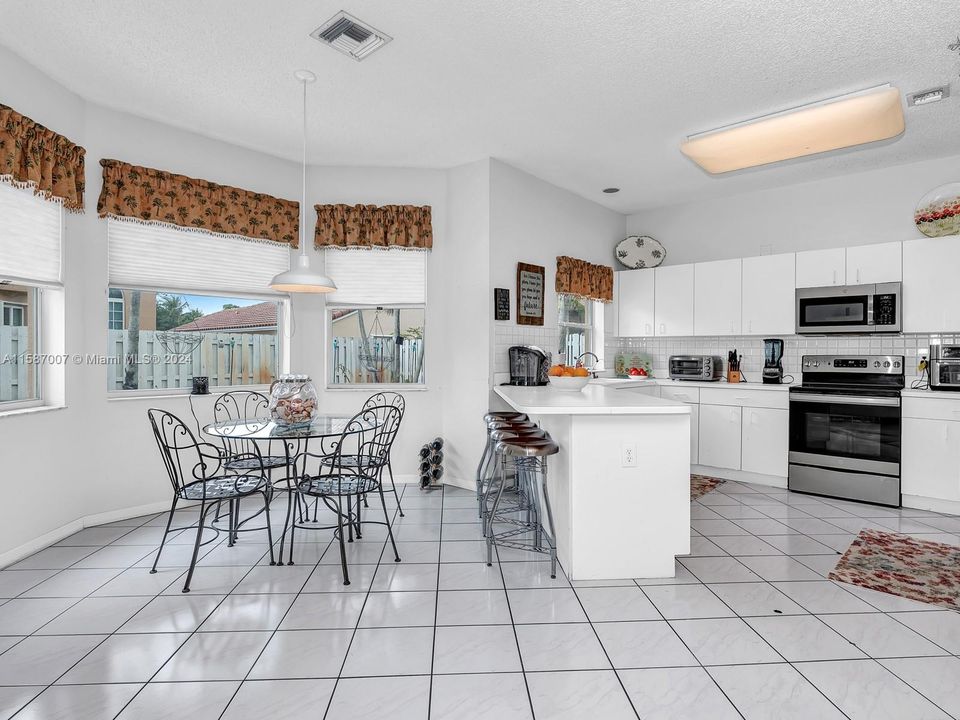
column 293, row 401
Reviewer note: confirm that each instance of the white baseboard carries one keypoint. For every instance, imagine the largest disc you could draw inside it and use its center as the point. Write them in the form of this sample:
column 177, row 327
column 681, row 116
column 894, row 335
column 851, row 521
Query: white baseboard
column 948, row 507
column 74, row 526
column 740, row 476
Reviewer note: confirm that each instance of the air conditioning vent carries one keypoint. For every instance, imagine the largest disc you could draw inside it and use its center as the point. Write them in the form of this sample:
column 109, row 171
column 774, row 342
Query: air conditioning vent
column 350, row 36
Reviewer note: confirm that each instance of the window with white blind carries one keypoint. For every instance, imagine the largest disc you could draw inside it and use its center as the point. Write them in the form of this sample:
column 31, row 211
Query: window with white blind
column 30, row 230
column 185, row 303
column 376, row 319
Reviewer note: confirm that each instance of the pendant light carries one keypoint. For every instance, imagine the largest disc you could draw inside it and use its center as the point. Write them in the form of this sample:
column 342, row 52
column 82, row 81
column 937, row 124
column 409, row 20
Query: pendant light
column 302, row 279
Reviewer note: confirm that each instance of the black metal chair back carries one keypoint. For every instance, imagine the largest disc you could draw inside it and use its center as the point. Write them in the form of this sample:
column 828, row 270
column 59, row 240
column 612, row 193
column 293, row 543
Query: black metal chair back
column 240, row 405
column 375, row 452
column 386, row 399
column 186, row 459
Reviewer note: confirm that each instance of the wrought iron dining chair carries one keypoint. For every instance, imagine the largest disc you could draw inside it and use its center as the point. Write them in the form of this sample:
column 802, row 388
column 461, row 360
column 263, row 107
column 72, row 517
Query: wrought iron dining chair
column 198, row 474
column 348, row 468
column 385, row 400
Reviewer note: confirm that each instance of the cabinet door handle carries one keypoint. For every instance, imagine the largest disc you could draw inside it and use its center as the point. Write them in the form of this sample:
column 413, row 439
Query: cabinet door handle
column 648, row 329
column 858, row 276
column 834, row 277
column 663, row 328
column 750, row 326
column 733, row 416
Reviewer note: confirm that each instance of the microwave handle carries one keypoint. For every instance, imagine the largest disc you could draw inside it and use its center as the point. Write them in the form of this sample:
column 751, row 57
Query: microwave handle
column 870, row 309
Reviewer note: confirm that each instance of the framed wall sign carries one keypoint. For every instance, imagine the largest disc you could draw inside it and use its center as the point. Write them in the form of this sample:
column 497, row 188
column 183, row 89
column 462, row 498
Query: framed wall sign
column 530, row 285
column 501, row 304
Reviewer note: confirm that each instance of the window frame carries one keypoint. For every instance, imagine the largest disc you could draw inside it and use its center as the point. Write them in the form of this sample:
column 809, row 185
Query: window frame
column 7, row 406
column 5, row 306
column 353, row 387
column 283, row 344
column 111, row 302
column 592, row 328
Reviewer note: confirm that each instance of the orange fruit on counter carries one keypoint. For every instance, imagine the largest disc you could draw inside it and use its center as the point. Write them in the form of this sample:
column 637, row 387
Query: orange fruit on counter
column 581, row 372
column 569, row 372
column 555, row 371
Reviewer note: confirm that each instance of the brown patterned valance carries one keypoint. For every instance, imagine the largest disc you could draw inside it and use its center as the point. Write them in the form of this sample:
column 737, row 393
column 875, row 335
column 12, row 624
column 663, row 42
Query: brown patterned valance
column 155, row 196
column 584, row 280
column 36, row 157
column 404, row 226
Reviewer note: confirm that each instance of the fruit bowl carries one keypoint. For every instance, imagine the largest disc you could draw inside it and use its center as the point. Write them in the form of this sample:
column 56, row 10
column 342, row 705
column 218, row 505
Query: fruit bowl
column 569, row 384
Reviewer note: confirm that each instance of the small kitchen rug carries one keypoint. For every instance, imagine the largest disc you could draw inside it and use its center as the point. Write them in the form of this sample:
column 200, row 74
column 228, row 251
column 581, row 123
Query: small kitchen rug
column 901, row 565
column 700, row 485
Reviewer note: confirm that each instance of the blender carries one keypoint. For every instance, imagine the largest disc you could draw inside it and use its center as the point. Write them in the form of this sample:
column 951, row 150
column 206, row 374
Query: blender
column 772, row 361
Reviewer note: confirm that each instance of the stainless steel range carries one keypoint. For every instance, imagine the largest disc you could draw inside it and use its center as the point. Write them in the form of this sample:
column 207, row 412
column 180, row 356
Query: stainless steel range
column 845, row 427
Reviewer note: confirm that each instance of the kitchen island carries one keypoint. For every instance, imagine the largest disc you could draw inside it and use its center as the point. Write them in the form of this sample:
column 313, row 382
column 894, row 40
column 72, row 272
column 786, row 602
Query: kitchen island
column 620, row 485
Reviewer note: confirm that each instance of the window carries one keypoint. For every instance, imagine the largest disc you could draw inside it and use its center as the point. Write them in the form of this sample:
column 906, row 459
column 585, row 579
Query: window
column 376, row 319
column 115, row 310
column 581, row 330
column 171, row 337
column 29, row 265
column 186, row 303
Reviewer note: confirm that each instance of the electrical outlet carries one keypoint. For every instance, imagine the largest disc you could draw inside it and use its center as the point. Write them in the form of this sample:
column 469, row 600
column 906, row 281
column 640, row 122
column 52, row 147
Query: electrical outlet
column 628, row 454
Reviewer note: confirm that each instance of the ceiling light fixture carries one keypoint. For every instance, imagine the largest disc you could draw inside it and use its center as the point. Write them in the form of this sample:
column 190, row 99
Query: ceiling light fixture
column 611, row 191
column 302, row 279
column 841, row 122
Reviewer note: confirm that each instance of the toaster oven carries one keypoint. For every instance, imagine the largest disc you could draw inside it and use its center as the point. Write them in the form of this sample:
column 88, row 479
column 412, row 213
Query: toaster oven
column 945, row 367
column 696, row 367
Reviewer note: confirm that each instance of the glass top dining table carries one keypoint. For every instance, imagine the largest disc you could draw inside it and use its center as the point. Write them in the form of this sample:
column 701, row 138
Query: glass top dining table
column 322, row 426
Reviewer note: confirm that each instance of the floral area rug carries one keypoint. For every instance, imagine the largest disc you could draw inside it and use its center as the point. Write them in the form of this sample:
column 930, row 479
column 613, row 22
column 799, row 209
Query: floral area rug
column 901, row 565
column 700, row 485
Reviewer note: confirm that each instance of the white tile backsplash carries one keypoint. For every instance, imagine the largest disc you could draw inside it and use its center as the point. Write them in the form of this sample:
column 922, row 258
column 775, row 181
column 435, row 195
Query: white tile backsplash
column 506, row 335
column 659, row 350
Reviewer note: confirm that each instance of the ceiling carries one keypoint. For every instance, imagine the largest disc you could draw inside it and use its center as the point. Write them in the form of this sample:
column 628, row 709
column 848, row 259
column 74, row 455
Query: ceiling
column 584, row 94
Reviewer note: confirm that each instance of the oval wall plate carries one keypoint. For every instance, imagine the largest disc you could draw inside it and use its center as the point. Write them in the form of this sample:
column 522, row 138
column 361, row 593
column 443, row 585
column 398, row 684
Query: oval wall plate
column 938, row 212
column 640, row 251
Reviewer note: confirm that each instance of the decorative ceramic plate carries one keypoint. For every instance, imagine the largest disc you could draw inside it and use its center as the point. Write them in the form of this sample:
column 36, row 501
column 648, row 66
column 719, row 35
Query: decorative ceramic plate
column 640, row 251
column 938, row 213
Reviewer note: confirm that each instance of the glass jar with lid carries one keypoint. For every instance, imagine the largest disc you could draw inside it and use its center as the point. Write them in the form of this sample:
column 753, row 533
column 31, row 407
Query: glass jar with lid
column 293, row 401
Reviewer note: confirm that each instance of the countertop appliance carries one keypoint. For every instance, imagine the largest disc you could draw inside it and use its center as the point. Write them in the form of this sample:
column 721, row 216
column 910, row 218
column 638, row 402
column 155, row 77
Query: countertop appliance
column 845, row 428
column 696, row 367
column 850, row 309
column 945, row 367
column 772, row 361
column 528, row 365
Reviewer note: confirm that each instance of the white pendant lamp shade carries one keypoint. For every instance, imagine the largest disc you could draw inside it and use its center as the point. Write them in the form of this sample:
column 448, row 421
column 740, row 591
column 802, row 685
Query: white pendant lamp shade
column 301, row 279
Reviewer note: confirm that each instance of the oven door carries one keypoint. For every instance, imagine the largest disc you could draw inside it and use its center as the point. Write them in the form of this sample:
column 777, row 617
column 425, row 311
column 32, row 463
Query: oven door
column 835, row 313
column 853, row 433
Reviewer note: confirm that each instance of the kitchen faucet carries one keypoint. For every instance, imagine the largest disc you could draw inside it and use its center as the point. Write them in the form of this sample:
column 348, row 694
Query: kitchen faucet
column 596, row 360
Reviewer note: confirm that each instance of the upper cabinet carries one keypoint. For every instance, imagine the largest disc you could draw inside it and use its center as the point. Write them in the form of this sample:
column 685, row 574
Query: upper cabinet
column 611, row 310
column 636, row 303
column 768, row 295
column 819, row 268
column 717, row 306
column 673, row 305
column 929, row 285
column 880, row 263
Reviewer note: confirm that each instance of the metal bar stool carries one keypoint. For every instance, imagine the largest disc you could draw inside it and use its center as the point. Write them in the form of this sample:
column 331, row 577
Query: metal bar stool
column 500, row 482
column 529, row 457
column 487, row 471
column 494, row 421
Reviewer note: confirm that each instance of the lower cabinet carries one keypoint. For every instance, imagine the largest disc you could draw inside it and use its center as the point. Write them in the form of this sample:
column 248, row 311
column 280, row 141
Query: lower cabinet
column 720, row 436
column 930, row 463
column 694, row 434
column 766, row 441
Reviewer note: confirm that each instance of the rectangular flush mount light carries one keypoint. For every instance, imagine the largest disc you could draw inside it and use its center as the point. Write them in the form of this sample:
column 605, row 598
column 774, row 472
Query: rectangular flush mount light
column 846, row 121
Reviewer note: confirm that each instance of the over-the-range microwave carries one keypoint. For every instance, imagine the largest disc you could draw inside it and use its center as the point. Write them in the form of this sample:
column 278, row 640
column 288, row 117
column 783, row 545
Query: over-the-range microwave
column 850, row 309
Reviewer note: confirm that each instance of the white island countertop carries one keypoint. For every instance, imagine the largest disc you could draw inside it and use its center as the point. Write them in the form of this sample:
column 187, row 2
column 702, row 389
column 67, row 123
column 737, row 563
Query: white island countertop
column 594, row 399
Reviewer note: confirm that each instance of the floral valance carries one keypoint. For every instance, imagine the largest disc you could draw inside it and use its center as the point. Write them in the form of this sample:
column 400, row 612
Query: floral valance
column 146, row 195
column 404, row 226
column 584, row 280
column 34, row 156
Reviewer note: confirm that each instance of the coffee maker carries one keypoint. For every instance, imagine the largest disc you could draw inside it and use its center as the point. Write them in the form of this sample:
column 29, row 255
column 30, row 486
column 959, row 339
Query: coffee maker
column 772, row 361
column 528, row 365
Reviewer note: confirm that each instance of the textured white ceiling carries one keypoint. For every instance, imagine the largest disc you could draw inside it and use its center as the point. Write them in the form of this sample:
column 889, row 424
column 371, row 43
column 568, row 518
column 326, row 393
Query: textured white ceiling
column 583, row 94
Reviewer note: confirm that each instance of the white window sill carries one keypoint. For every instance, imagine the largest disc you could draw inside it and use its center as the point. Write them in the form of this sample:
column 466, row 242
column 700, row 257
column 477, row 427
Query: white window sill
column 373, row 388
column 128, row 395
column 14, row 412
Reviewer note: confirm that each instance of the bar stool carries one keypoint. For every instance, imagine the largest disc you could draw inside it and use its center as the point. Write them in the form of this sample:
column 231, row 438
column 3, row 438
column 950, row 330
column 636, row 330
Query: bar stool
column 529, row 458
column 496, row 421
column 497, row 481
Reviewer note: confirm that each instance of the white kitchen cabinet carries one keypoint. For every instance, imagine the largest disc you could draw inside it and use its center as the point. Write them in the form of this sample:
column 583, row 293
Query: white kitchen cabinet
column 879, row 263
column 930, row 461
column 768, row 294
column 929, row 285
column 611, row 319
column 717, row 308
column 819, row 268
column 636, row 317
column 720, row 436
column 765, row 441
column 673, row 304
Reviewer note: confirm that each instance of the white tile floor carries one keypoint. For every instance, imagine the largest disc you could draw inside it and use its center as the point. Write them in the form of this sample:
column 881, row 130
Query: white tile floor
column 749, row 628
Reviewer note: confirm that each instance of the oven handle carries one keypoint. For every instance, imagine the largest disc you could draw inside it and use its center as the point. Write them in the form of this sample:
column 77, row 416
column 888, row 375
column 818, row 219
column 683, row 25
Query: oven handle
column 844, row 399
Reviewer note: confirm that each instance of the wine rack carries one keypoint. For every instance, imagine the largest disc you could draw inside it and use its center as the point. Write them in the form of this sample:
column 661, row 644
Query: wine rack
column 431, row 463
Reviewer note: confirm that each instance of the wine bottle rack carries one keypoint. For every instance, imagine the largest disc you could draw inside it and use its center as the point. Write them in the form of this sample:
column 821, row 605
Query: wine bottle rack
column 431, row 463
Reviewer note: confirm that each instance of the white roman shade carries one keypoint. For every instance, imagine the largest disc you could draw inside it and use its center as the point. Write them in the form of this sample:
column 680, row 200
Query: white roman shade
column 377, row 277
column 29, row 237
column 166, row 257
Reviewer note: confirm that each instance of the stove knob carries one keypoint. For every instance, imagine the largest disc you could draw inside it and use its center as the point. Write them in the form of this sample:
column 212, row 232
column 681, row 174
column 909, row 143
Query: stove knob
column 886, row 363
column 896, row 363
column 876, row 363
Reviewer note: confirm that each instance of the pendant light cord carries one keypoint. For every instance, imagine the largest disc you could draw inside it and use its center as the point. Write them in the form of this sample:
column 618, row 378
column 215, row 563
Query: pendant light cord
column 303, row 186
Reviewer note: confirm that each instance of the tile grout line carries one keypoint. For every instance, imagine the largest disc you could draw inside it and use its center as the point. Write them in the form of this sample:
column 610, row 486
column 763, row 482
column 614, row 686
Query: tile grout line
column 436, row 609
